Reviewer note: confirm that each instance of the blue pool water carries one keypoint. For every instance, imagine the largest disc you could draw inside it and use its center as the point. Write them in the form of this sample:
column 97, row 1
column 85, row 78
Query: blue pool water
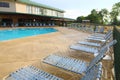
column 23, row 32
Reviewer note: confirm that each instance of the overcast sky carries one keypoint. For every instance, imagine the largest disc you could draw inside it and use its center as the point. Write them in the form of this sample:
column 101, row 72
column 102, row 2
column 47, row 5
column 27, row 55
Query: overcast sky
column 75, row 8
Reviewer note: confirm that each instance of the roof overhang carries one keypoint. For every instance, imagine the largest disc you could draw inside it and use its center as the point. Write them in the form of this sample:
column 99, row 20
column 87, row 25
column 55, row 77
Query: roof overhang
column 44, row 16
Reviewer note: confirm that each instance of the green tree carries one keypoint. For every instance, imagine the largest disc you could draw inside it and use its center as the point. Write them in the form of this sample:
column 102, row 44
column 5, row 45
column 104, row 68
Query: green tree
column 94, row 12
column 94, row 17
column 115, row 13
column 103, row 16
column 80, row 18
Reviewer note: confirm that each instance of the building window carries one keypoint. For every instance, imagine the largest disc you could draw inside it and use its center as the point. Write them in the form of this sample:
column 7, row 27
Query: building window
column 49, row 12
column 4, row 4
column 37, row 10
column 40, row 11
column 29, row 9
column 44, row 11
column 55, row 13
column 60, row 14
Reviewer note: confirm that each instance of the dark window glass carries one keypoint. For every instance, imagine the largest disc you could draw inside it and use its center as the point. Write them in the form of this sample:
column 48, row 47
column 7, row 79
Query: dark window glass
column 4, row 4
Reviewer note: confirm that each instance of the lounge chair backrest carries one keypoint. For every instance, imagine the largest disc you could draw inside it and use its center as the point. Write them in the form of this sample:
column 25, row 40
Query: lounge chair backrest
column 101, row 29
column 94, row 73
column 108, row 32
column 110, row 44
column 108, row 35
column 101, row 54
column 96, row 29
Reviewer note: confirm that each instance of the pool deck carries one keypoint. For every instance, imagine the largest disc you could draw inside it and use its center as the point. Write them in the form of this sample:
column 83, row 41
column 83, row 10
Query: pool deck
column 18, row 53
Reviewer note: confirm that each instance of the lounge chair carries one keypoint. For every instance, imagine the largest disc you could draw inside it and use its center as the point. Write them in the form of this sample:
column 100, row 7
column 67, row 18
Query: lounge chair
column 101, row 39
column 40, row 24
column 75, row 65
column 101, row 30
column 90, row 29
column 37, row 24
column 87, row 49
column 31, row 73
column 100, row 35
column 96, row 29
column 94, row 73
column 33, row 24
column 84, row 48
column 95, row 44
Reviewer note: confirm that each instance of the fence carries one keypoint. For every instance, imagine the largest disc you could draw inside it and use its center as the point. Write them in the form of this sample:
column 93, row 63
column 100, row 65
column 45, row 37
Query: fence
column 116, row 35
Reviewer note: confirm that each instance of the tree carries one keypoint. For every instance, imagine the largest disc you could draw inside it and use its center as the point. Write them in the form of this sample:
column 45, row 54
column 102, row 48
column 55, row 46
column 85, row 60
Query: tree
column 80, row 18
column 115, row 13
column 103, row 15
column 94, row 12
column 94, row 17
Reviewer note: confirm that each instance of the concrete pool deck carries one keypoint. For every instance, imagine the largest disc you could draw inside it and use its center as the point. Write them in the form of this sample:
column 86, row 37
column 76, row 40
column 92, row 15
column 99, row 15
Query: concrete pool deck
column 18, row 53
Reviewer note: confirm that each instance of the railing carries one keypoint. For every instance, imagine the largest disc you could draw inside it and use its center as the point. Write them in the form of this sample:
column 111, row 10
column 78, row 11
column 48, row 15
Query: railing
column 90, row 27
column 82, row 27
column 116, row 35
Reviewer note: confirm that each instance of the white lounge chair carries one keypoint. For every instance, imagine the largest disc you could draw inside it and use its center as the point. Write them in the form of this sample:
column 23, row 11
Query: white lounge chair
column 75, row 65
column 94, row 73
column 72, row 64
column 101, row 30
column 101, row 39
column 96, row 29
column 85, row 48
column 31, row 73
column 94, row 44
column 98, row 35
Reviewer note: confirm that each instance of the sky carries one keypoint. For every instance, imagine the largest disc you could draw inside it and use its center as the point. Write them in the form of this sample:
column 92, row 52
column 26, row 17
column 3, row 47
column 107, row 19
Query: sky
column 75, row 8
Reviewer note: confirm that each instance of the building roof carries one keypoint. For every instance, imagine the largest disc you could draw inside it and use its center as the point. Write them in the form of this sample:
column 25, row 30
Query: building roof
column 39, row 4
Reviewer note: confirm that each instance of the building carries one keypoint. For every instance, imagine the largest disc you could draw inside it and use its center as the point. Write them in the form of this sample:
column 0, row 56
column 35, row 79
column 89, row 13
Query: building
column 29, row 13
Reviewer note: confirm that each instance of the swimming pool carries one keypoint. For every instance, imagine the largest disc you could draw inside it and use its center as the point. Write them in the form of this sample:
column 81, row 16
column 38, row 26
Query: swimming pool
column 23, row 32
